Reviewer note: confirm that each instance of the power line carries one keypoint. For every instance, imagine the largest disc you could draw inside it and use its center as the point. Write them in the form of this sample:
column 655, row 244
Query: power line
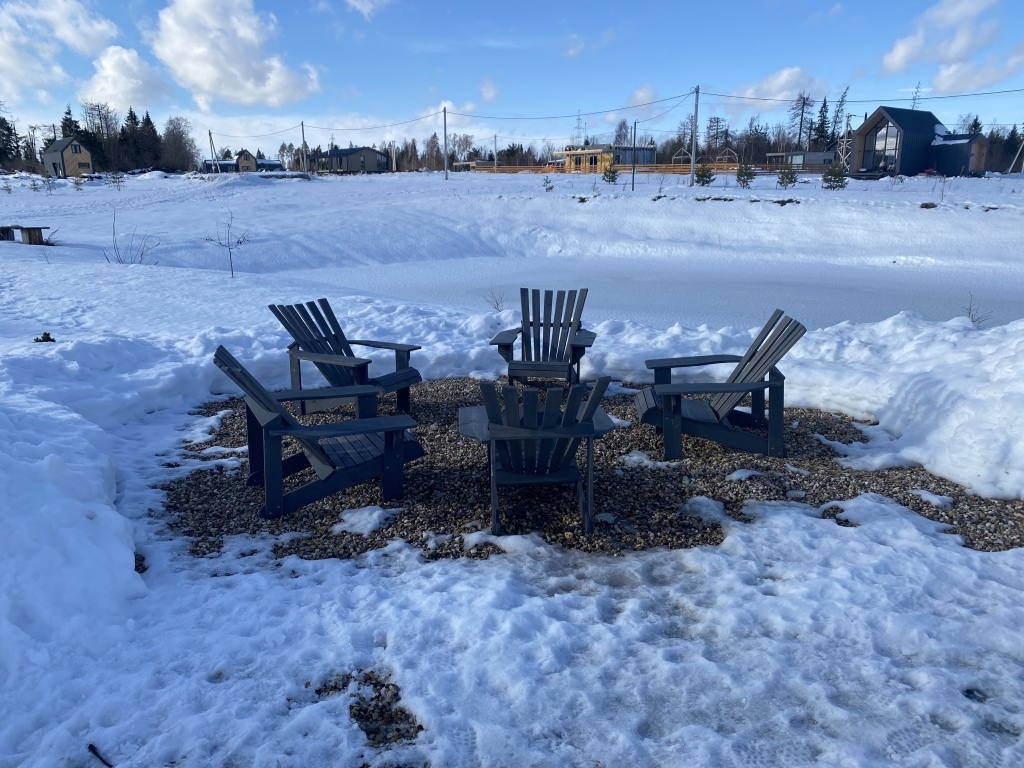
column 578, row 114
column 875, row 101
column 259, row 136
column 378, row 127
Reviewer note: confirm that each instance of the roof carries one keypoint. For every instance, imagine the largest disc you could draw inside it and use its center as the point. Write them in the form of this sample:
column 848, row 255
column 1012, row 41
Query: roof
column 61, row 144
column 958, row 138
column 339, row 152
column 913, row 120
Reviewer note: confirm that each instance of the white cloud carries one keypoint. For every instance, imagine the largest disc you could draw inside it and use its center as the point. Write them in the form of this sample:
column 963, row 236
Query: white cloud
column 25, row 63
column 215, row 51
column 366, row 7
column 575, row 46
column 31, row 37
column 66, row 20
column 950, row 33
column 123, row 79
column 488, row 91
column 904, row 52
column 785, row 84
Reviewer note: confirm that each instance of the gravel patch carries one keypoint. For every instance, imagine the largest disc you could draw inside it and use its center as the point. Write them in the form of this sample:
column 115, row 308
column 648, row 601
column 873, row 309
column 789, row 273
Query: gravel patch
column 639, row 502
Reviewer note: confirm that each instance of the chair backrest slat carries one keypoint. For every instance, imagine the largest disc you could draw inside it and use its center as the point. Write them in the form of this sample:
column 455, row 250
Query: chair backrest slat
column 515, row 447
column 257, row 395
column 495, row 416
column 772, row 343
column 546, row 332
column 316, row 330
column 346, row 348
column 593, row 403
column 527, row 334
column 552, row 415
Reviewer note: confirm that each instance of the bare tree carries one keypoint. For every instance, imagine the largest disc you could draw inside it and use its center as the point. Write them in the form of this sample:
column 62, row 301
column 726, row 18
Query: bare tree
column 178, row 150
column 623, row 134
column 800, row 112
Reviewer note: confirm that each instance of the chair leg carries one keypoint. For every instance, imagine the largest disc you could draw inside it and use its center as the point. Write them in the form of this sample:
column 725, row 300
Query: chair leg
column 273, row 480
column 254, row 436
column 404, row 400
column 588, row 510
column 295, row 369
column 394, row 448
column 673, row 425
column 495, row 518
column 776, row 427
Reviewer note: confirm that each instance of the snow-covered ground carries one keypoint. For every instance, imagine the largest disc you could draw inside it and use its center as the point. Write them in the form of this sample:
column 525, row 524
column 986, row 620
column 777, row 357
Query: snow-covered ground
column 795, row 642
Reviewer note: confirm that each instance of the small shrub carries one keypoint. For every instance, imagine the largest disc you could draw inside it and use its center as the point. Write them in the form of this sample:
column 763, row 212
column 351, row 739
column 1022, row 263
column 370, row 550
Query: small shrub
column 78, row 182
column 610, row 175
column 49, row 184
column 834, row 177
column 929, row 205
column 787, row 176
column 7, row 187
column 744, row 175
column 548, row 186
column 34, row 186
column 703, row 175
column 974, row 313
column 116, row 180
column 45, row 337
column 134, row 251
column 496, row 298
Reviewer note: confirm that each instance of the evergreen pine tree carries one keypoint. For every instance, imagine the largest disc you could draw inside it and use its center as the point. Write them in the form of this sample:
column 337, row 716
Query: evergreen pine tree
column 834, row 177
column 68, row 125
column 148, row 142
column 819, row 135
column 610, row 174
column 787, row 176
column 703, row 175
column 744, row 175
column 8, row 141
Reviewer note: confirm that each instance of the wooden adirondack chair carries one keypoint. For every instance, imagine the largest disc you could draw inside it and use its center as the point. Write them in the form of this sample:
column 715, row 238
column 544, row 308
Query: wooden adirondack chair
column 553, row 343
column 320, row 340
column 717, row 419
column 530, row 446
column 343, row 454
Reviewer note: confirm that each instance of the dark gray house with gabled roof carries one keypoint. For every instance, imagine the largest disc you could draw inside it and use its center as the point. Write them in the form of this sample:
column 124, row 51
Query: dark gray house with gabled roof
column 895, row 141
column 352, row 160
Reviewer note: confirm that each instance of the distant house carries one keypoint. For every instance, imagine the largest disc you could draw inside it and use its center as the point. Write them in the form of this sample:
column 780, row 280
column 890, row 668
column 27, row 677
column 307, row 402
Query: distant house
column 800, row 157
column 244, row 162
column 596, row 158
column 67, row 157
column 352, row 160
column 907, row 142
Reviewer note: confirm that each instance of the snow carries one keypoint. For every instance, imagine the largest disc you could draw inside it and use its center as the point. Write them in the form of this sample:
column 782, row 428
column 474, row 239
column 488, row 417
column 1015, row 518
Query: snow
column 797, row 641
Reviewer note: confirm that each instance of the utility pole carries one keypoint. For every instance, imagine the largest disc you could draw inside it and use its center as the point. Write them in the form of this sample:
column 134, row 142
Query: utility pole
column 444, row 111
column 693, row 135
column 1014, row 161
column 213, row 154
column 633, row 188
column 495, row 153
column 305, row 167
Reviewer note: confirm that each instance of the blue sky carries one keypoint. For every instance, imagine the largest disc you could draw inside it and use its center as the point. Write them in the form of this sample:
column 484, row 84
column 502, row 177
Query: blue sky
column 244, row 68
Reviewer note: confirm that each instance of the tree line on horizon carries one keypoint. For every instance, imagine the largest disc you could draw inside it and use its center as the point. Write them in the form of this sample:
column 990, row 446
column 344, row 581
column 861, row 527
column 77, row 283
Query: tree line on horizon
column 116, row 144
column 132, row 142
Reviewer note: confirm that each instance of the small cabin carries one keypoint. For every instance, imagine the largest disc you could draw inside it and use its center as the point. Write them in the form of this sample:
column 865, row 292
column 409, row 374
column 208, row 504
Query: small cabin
column 67, row 157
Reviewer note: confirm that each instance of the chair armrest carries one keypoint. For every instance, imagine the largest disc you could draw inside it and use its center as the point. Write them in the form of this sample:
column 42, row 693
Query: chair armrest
column 385, row 345
column 346, row 428
column 321, row 357
column 689, row 362
column 325, row 393
column 707, row 388
column 501, row 432
column 507, row 337
column 583, row 338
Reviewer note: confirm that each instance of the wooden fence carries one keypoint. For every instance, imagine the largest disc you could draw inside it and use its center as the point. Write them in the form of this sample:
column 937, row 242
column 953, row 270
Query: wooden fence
column 660, row 168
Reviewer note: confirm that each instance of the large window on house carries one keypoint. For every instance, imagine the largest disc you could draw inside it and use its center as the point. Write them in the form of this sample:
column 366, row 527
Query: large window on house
column 880, row 148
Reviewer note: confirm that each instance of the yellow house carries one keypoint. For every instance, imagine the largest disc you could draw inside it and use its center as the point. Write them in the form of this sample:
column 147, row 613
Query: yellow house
column 246, row 161
column 67, row 157
column 592, row 158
